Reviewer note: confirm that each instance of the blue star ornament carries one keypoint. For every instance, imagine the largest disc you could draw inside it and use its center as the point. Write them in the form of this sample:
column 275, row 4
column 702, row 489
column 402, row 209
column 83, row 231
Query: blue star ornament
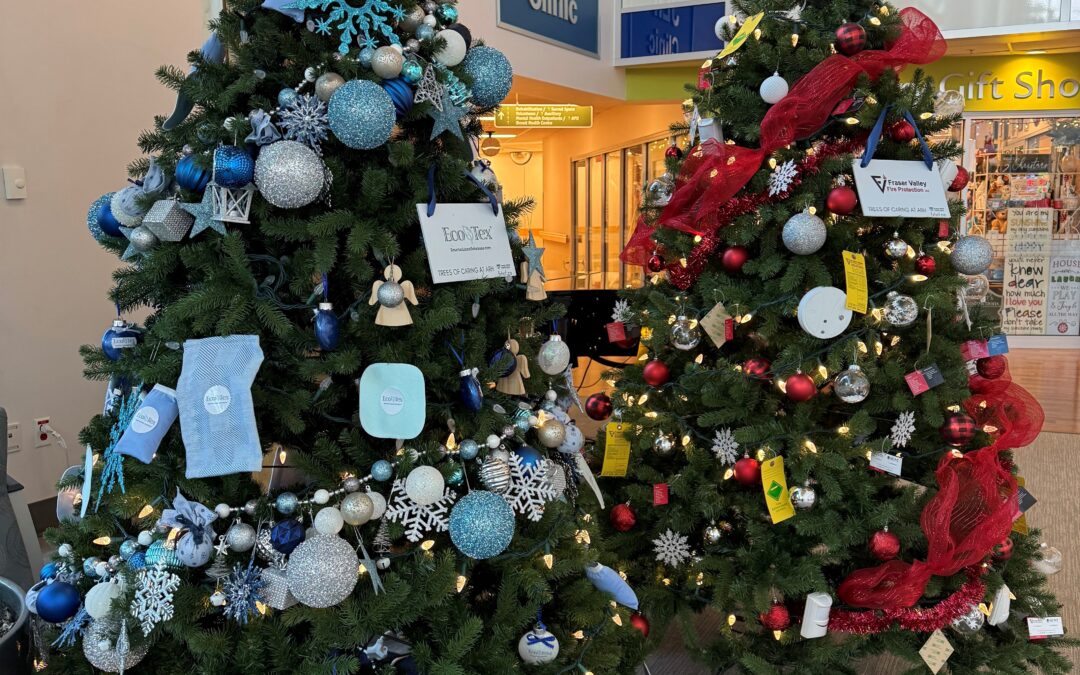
column 534, row 255
column 447, row 119
column 204, row 215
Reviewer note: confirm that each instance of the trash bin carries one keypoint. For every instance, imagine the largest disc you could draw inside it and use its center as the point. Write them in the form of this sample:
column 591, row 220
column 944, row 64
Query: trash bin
column 15, row 645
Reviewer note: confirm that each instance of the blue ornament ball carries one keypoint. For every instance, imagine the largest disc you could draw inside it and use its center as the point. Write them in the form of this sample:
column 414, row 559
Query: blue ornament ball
column 505, row 358
column 159, row 552
column 128, row 549
column 470, row 393
column 286, row 503
column 424, row 32
column 530, row 456
column 100, row 211
column 491, row 74
column 481, row 524
column 233, row 166
column 382, row 470
column 106, row 220
column 468, row 449
column 446, row 14
column 361, row 114
column 58, row 602
column 287, row 97
column 137, row 561
column 191, row 176
column 118, row 337
column 48, row 571
column 411, row 71
column 88, row 565
column 365, row 56
column 400, row 93
column 327, row 328
column 287, row 535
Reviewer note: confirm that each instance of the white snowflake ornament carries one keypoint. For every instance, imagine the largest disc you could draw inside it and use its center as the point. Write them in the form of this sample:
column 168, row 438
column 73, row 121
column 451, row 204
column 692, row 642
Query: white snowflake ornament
column 419, row 519
column 782, row 177
column 725, row 447
column 622, row 312
column 671, row 548
column 903, row 429
column 153, row 602
column 530, row 487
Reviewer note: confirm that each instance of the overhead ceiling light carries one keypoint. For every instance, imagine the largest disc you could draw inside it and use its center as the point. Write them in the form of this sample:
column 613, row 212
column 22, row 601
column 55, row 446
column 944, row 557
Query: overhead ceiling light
column 502, row 135
column 1036, row 51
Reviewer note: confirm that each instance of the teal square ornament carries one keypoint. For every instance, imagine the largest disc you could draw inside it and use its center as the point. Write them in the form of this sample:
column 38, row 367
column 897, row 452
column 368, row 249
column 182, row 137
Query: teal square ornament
column 392, row 401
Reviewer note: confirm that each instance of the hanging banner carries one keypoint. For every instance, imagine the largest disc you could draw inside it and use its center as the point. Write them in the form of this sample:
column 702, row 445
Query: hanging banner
column 1063, row 305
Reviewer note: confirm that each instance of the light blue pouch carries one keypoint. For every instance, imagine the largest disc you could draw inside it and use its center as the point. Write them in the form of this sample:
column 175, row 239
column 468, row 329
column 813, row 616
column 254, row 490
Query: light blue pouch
column 392, row 401
column 217, row 417
column 149, row 425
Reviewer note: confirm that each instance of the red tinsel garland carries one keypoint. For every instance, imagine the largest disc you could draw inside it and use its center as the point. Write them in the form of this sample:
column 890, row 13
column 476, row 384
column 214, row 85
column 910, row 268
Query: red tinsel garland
column 919, row 619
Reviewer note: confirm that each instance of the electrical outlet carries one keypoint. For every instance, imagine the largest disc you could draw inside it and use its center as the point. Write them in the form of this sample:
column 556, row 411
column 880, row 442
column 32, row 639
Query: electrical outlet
column 14, row 438
column 41, row 434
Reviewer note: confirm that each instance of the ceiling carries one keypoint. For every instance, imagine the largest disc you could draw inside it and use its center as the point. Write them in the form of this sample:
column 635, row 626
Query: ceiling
column 1049, row 42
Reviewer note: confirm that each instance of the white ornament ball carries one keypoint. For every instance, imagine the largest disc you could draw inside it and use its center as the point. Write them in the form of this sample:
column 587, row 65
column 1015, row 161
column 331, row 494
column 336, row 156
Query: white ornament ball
column 329, row 521
column 217, row 599
column 379, row 503
column 322, row 571
column 357, row 508
column 321, row 496
column 101, row 569
column 554, row 356
column 574, row 441
column 99, row 599
column 65, row 550
column 453, row 52
column 804, row 233
column 222, row 510
column 145, row 539
column 971, row 255
column 718, row 28
column 493, row 441
column 773, row 89
column 538, row 646
column 387, row 62
column 425, row 485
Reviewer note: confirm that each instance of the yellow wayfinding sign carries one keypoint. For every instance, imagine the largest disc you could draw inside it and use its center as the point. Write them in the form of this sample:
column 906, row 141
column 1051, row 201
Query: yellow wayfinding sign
column 533, row 115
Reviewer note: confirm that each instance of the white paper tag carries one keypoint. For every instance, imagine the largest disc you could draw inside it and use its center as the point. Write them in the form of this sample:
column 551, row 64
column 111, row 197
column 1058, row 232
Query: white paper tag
column 890, row 187
column 886, row 462
column 1046, row 626
column 216, row 400
column 124, row 342
column 392, row 400
column 144, row 420
column 466, row 241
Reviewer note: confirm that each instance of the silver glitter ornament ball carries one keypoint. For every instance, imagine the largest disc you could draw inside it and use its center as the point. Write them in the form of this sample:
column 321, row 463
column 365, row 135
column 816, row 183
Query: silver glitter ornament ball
column 803, row 496
column 357, row 508
column 554, row 356
column 240, row 537
column 326, row 85
column 323, row 571
column 804, row 233
column 852, row 385
column 289, row 174
column 387, row 62
column 969, row 623
column 551, row 433
column 143, row 239
column 391, row 294
column 663, row 445
column 495, row 474
column 896, row 248
column 900, row 310
column 971, row 255
column 99, row 648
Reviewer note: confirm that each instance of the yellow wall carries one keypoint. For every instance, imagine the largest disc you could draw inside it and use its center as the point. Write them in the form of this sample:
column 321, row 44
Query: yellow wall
column 520, row 181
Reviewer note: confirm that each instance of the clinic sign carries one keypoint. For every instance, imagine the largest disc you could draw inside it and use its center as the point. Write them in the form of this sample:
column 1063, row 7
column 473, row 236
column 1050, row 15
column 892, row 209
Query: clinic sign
column 666, row 32
column 1006, row 83
column 573, row 24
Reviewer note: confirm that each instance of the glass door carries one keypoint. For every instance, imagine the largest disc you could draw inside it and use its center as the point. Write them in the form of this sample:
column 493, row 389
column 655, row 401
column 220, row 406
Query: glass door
column 580, row 245
column 635, row 184
column 596, row 223
column 613, row 220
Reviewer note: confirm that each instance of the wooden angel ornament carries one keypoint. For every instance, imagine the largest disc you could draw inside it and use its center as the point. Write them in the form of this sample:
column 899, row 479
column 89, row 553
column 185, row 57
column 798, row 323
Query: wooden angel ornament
column 532, row 271
column 513, row 383
column 391, row 295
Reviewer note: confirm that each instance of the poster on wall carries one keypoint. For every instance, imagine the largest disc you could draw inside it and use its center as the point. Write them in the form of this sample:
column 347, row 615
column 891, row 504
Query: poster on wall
column 1029, row 232
column 1063, row 305
column 1024, row 295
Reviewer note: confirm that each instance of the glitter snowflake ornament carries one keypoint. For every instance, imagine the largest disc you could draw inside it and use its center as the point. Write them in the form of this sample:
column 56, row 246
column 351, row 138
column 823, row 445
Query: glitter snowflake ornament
column 243, row 591
column 362, row 22
column 782, row 177
column 153, row 602
column 305, row 120
column 725, row 447
column 671, row 548
column 622, row 311
column 903, row 429
column 418, row 519
column 530, row 487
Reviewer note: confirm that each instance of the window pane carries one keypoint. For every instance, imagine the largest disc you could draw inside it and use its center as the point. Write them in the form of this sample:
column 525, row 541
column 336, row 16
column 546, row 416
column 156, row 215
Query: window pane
column 612, row 219
column 581, row 223
column 656, row 157
column 635, row 182
column 596, row 222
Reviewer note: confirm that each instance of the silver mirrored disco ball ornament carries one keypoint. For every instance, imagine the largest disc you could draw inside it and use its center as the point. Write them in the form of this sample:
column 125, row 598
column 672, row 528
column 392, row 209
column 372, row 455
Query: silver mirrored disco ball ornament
column 896, row 248
column 803, row 497
column 804, row 233
column 661, row 189
column 685, row 334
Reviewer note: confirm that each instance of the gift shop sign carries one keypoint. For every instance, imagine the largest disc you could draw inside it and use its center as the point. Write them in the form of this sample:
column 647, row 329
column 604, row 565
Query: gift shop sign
column 465, row 242
column 1021, row 82
column 889, row 187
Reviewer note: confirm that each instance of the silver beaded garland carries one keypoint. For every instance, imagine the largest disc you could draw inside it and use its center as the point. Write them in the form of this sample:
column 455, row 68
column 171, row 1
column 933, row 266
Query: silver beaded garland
column 804, row 233
column 495, row 474
column 289, row 174
column 971, row 255
column 323, row 571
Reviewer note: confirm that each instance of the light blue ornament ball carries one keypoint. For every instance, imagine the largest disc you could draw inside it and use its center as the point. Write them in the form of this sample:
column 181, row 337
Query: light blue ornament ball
column 233, row 166
column 88, row 565
column 361, row 114
column 58, row 602
column 424, row 32
column 365, row 56
column 481, row 524
column 468, row 449
column 159, row 552
column 48, row 571
column 286, row 503
column 382, row 470
column 287, row 97
column 491, row 74
column 128, row 549
column 411, row 71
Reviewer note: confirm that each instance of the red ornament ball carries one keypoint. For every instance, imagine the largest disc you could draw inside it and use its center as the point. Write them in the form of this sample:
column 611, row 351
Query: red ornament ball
column 598, row 406
column 777, row 618
column 902, row 131
column 991, row 367
column 656, row 373
column 1003, row 551
column 639, row 622
column 850, row 39
column 757, row 368
column 734, row 258
column 842, row 200
column 748, row 471
column 800, row 387
column 961, row 180
column 622, row 517
column 884, row 545
column 655, row 264
column 925, row 265
column 673, row 152
column 958, row 429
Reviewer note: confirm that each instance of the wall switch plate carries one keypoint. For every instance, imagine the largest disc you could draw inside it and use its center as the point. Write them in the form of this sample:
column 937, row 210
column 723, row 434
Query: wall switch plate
column 14, row 182
column 41, row 432
column 14, row 438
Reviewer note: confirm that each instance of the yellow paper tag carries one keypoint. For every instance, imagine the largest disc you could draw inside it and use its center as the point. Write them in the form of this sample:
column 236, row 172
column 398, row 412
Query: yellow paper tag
column 744, row 33
column 855, row 275
column 1020, row 525
column 774, row 483
column 616, row 450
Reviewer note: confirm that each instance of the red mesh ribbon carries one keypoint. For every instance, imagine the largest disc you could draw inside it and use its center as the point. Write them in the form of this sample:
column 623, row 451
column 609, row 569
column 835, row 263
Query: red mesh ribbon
column 714, row 172
column 974, row 508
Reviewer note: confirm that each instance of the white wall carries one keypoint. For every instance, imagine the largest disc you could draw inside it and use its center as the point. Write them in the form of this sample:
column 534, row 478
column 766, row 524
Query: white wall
column 547, row 62
column 79, row 85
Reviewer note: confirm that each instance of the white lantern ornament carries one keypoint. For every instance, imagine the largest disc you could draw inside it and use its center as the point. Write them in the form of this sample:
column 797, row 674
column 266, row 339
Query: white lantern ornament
column 773, row 89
